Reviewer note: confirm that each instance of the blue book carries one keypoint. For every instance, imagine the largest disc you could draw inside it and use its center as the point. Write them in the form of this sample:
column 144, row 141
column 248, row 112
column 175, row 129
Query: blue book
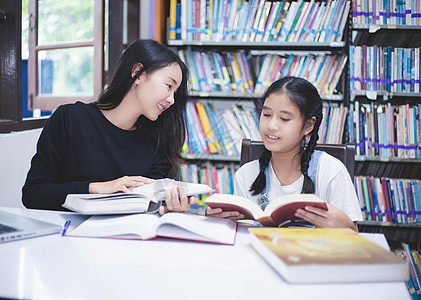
column 223, row 85
column 215, row 129
column 192, row 134
column 410, row 200
column 189, row 20
column 416, row 187
column 178, row 21
column 239, row 31
column 231, row 142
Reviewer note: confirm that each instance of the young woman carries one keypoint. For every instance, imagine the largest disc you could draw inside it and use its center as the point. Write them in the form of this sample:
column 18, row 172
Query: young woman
column 131, row 135
column 289, row 124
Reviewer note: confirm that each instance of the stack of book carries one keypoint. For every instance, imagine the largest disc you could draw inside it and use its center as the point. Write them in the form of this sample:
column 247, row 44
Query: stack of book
column 387, row 12
column 413, row 259
column 218, row 71
column 218, row 176
column 219, row 130
column 258, row 20
column 390, row 200
column 386, row 130
column 333, row 123
column 322, row 70
column 232, row 72
column 387, row 69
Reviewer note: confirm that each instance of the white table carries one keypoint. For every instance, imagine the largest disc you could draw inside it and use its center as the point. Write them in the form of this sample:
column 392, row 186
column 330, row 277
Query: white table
column 55, row 267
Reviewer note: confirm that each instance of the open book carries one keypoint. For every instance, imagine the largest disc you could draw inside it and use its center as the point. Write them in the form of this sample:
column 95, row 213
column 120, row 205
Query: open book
column 146, row 198
column 278, row 213
column 326, row 255
column 148, row 226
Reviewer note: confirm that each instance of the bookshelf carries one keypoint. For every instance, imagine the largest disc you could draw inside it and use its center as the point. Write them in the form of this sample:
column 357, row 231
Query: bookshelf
column 303, row 33
column 264, row 40
column 385, row 104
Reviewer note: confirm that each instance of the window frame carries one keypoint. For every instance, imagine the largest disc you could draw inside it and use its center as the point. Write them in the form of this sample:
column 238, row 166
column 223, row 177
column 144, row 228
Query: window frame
column 50, row 103
column 11, row 69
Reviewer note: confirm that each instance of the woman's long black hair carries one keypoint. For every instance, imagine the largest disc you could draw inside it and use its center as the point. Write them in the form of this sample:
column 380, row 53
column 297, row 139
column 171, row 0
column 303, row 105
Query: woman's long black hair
column 169, row 130
column 307, row 99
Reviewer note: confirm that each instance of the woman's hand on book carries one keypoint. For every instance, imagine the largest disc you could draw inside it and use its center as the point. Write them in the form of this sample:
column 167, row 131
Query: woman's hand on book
column 331, row 218
column 218, row 213
column 121, row 184
column 176, row 200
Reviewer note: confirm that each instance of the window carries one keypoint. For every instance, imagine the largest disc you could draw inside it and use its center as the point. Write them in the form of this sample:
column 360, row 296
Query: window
column 48, row 49
column 66, row 52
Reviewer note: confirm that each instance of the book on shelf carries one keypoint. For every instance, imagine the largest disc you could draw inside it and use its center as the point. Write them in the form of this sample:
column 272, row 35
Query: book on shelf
column 172, row 20
column 149, row 226
column 326, row 255
column 412, row 258
column 279, row 212
column 146, row 198
column 394, row 131
column 391, row 200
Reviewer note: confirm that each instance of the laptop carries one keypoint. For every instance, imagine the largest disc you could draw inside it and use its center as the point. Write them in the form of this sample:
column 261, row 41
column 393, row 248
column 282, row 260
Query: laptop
column 15, row 227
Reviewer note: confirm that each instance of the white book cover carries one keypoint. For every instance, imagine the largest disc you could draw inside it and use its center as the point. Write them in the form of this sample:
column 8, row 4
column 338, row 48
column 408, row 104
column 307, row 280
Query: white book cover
column 256, row 20
column 301, row 20
column 337, row 75
column 264, row 69
column 203, row 31
column 324, row 22
column 317, row 23
column 286, row 27
column 250, row 20
column 233, row 127
column 313, row 74
column 337, row 13
column 231, row 19
column 240, row 119
column 262, row 22
column 308, row 22
column 284, row 7
column 271, row 20
column 343, row 22
column 239, row 31
column 251, row 124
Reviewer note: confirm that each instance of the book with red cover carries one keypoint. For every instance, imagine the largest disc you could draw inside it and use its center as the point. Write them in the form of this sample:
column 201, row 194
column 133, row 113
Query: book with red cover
column 280, row 212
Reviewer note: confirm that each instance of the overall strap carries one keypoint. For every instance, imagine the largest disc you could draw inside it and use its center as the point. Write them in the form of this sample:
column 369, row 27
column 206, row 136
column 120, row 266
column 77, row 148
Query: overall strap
column 313, row 167
column 263, row 199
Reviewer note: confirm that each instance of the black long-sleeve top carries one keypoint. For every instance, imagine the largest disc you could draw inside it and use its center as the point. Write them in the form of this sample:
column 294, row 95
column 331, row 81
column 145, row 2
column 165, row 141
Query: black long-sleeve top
column 78, row 145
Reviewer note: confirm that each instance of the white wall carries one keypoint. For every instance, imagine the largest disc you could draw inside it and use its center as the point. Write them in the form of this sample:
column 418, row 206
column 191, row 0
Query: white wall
column 16, row 151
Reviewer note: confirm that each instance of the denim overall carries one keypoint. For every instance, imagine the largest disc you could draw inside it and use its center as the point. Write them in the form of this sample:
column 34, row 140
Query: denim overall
column 263, row 199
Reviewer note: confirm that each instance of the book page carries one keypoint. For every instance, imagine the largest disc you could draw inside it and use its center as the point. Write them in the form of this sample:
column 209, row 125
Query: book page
column 196, row 227
column 139, row 226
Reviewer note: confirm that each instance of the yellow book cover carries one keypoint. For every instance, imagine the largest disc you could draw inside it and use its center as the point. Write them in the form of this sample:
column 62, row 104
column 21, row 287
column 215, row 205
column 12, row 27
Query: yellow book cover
column 206, row 127
column 321, row 255
column 237, row 74
column 172, row 33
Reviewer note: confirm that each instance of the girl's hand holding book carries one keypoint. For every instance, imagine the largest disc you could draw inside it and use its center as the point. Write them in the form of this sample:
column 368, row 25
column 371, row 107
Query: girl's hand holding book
column 219, row 213
column 331, row 218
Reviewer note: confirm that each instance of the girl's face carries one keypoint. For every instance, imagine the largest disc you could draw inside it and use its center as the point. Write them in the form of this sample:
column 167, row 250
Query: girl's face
column 281, row 124
column 155, row 92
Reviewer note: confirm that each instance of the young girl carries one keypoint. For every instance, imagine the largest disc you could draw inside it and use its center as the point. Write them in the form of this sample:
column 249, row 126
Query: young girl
column 289, row 124
column 132, row 134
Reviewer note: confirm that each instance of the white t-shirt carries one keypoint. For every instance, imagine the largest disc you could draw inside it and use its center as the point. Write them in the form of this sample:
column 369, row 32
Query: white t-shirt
column 334, row 185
